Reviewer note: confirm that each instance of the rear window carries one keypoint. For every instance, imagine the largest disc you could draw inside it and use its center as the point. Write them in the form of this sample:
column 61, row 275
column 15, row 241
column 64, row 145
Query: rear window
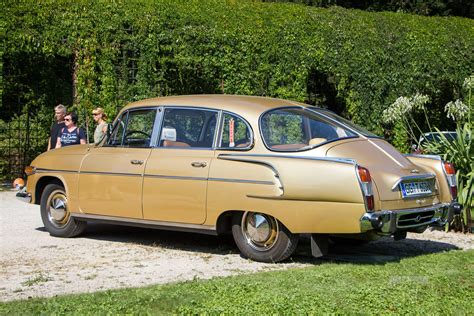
column 348, row 123
column 295, row 129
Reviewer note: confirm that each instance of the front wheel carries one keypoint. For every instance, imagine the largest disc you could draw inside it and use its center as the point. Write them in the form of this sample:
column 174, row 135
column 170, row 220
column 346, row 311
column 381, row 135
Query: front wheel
column 55, row 213
column 262, row 237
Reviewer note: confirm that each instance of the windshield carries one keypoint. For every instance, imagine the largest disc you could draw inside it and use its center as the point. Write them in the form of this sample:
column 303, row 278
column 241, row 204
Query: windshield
column 295, row 129
column 436, row 137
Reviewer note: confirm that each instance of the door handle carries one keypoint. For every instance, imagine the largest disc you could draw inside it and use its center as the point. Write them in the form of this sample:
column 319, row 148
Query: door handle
column 136, row 162
column 197, row 164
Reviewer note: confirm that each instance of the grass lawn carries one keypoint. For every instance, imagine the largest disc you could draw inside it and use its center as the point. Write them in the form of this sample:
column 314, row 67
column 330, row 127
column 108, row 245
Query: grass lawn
column 440, row 283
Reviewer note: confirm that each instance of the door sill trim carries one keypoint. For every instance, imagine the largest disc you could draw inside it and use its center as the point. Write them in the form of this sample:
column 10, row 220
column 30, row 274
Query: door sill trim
column 202, row 229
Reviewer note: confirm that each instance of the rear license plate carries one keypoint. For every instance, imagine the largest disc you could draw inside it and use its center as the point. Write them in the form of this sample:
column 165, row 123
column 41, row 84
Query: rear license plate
column 417, row 188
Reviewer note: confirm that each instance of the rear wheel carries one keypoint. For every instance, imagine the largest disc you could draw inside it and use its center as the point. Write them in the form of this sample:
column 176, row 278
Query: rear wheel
column 55, row 213
column 262, row 237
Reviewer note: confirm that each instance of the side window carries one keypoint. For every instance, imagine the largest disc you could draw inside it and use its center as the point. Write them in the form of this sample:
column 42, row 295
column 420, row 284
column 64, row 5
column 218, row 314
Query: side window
column 139, row 128
column 133, row 129
column 188, row 128
column 284, row 128
column 235, row 132
column 117, row 134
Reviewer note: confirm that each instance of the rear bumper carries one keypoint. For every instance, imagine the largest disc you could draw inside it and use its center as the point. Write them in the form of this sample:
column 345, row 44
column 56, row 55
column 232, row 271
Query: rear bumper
column 24, row 196
column 415, row 220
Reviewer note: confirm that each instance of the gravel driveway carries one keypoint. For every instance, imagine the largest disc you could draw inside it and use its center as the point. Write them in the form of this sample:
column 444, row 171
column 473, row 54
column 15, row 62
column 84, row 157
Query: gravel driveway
column 34, row 264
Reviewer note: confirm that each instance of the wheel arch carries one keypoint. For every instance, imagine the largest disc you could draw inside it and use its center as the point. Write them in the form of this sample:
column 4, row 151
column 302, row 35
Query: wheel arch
column 42, row 183
column 224, row 221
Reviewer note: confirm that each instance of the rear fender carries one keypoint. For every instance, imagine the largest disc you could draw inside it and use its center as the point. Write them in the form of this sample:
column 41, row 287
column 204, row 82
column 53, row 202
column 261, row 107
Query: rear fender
column 308, row 178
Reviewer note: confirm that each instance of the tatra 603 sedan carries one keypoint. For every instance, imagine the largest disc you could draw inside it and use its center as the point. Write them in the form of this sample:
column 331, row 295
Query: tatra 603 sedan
column 265, row 170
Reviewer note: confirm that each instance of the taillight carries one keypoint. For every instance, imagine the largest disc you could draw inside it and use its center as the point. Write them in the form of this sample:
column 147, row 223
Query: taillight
column 450, row 173
column 366, row 184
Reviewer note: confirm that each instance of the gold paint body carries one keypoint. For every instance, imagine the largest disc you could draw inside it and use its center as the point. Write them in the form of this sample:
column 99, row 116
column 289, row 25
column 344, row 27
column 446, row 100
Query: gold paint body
column 316, row 195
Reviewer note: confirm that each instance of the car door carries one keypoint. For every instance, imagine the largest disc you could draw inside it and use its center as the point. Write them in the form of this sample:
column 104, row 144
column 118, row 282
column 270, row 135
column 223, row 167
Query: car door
column 175, row 181
column 111, row 176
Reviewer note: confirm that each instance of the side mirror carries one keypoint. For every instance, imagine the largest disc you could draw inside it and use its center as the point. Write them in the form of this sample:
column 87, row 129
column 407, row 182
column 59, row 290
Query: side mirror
column 168, row 133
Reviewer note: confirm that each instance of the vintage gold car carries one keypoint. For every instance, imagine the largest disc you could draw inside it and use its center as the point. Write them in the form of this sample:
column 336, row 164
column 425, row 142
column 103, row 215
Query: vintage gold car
column 266, row 170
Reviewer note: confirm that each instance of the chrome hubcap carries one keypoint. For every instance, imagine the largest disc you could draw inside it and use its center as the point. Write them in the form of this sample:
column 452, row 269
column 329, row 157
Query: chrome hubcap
column 260, row 230
column 57, row 209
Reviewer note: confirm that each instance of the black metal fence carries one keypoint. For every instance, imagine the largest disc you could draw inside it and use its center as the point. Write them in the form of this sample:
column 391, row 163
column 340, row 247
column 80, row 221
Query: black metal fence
column 21, row 140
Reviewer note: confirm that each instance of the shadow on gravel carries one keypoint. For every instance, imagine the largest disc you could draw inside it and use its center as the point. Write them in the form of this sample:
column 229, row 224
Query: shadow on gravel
column 381, row 251
column 185, row 241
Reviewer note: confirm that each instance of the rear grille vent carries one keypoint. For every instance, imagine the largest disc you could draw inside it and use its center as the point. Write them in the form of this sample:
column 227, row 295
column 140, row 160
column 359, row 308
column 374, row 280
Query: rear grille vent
column 415, row 219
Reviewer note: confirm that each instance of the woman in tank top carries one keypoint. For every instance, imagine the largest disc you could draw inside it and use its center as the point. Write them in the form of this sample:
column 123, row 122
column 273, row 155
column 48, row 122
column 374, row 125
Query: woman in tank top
column 100, row 118
column 71, row 134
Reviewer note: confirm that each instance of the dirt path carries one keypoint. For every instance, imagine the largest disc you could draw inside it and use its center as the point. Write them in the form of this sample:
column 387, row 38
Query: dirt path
column 34, row 264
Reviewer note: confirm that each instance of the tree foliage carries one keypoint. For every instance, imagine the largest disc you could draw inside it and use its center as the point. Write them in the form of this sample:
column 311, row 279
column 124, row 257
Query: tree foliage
column 463, row 8
column 99, row 53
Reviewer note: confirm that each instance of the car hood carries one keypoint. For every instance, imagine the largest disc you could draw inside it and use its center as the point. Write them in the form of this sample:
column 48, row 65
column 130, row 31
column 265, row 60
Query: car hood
column 386, row 164
column 64, row 158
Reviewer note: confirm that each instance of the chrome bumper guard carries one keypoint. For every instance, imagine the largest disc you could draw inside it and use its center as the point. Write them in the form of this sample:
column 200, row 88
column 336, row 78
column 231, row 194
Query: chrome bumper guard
column 415, row 220
column 24, row 196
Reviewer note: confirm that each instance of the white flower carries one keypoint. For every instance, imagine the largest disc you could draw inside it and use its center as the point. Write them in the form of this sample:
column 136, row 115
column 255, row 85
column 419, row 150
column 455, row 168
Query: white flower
column 404, row 105
column 469, row 82
column 396, row 110
column 419, row 100
column 456, row 110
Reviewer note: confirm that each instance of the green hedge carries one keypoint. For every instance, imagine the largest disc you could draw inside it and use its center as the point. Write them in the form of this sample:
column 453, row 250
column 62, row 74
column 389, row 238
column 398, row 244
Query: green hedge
column 351, row 61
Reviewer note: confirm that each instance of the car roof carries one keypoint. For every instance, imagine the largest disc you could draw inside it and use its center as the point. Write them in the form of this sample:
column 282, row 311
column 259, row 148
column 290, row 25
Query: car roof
column 232, row 103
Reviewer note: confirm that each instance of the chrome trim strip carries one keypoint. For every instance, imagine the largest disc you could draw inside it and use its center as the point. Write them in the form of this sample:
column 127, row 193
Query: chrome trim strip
column 156, row 127
column 162, row 176
column 242, row 181
column 210, row 179
column 112, row 173
column 230, row 156
column 332, row 159
column 434, row 157
column 146, row 223
column 427, row 176
column 217, row 130
column 43, row 170
column 174, row 177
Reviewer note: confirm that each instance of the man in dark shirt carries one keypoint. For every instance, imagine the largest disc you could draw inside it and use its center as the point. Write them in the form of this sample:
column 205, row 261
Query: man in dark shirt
column 59, row 113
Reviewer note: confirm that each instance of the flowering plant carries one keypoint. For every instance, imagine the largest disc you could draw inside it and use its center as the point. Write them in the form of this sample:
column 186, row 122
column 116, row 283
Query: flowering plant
column 459, row 151
column 402, row 111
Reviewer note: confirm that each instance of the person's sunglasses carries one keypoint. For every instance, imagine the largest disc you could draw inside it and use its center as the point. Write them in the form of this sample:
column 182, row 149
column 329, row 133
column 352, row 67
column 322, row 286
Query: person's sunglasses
column 95, row 114
column 67, row 120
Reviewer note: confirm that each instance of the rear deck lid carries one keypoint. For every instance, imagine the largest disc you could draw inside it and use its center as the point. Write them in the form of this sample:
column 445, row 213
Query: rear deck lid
column 394, row 176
